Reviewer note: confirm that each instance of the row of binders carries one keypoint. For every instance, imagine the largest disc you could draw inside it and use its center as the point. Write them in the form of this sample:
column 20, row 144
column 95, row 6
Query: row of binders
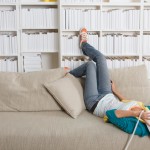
column 111, row 19
column 8, row 44
column 40, row 42
column 111, row 44
column 147, row 63
column 121, row 19
column 8, row 65
column 32, row 62
column 8, row 19
column 77, row 18
column 111, row 63
column 7, row 1
column 39, row 18
column 146, row 44
column 146, row 19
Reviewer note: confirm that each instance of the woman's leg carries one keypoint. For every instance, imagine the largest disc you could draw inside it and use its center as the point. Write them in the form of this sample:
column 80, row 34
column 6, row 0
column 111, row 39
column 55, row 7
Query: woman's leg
column 103, row 80
column 91, row 94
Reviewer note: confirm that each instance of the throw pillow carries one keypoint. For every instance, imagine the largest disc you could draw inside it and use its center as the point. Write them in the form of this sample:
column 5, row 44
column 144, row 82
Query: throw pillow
column 68, row 92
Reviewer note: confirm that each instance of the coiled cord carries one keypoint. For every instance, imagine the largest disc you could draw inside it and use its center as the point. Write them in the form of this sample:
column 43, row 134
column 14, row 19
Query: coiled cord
column 127, row 145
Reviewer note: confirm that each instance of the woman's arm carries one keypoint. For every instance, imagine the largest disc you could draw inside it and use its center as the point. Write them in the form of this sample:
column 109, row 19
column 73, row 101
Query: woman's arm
column 116, row 92
column 129, row 113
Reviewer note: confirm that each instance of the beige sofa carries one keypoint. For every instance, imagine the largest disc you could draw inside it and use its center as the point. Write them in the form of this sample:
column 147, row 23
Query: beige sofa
column 31, row 119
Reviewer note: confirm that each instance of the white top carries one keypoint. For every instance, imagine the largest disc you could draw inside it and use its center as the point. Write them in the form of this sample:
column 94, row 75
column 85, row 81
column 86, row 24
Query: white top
column 110, row 101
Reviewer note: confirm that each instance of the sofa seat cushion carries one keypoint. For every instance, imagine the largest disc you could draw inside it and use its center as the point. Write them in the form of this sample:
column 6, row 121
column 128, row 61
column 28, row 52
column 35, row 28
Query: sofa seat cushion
column 56, row 130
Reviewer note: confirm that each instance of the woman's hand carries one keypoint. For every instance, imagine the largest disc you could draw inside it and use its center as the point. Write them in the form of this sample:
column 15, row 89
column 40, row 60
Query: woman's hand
column 113, row 86
column 146, row 116
column 116, row 92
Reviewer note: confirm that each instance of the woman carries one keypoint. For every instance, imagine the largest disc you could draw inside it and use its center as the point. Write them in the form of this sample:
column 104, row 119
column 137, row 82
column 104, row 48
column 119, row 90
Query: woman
column 100, row 93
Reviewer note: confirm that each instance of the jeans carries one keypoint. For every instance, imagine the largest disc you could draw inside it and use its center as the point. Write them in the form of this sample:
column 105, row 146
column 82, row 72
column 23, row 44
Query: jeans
column 97, row 81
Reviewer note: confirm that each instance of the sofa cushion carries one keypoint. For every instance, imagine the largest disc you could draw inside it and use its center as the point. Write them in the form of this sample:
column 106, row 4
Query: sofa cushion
column 25, row 91
column 55, row 130
column 132, row 82
column 68, row 92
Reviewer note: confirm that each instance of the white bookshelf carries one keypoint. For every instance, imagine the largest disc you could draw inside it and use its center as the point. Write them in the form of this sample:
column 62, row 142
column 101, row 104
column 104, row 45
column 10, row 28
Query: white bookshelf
column 53, row 59
column 106, row 5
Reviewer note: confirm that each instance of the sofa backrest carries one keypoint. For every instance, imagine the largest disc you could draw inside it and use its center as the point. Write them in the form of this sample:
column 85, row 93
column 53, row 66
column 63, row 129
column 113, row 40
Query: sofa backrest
column 25, row 91
column 133, row 82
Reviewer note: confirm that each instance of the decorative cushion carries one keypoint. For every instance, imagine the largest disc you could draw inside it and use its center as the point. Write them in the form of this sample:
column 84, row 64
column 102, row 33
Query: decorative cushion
column 127, row 124
column 25, row 91
column 68, row 92
column 132, row 82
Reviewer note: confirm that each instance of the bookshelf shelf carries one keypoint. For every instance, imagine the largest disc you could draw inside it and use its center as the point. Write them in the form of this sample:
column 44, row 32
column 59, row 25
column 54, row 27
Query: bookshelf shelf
column 9, row 55
column 120, row 4
column 39, row 28
column 81, row 4
column 120, row 30
column 38, row 52
column 8, row 30
column 39, row 3
column 8, row 4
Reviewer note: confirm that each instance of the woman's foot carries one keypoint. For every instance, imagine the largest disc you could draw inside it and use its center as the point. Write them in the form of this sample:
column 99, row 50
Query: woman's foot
column 83, row 36
column 67, row 69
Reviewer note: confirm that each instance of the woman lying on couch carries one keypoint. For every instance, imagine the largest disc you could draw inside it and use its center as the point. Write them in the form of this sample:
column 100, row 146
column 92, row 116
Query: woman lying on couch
column 100, row 94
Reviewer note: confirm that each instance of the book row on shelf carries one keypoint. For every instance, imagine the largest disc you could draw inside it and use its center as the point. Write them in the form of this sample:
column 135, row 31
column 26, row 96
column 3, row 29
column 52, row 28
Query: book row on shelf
column 40, row 41
column 8, row 65
column 113, row 44
column 32, row 62
column 121, row 18
column 76, row 18
column 40, row 17
column 8, row 19
column 8, row 44
column 7, row 1
column 111, row 63
column 111, row 19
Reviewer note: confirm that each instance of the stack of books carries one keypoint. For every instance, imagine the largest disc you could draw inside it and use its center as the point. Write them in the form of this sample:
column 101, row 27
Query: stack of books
column 77, row 18
column 8, row 65
column 40, row 42
column 121, row 19
column 32, row 62
column 7, row 19
column 40, row 18
column 8, row 44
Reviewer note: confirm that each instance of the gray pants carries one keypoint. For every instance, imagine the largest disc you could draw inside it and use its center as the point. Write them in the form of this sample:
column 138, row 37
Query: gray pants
column 97, row 81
